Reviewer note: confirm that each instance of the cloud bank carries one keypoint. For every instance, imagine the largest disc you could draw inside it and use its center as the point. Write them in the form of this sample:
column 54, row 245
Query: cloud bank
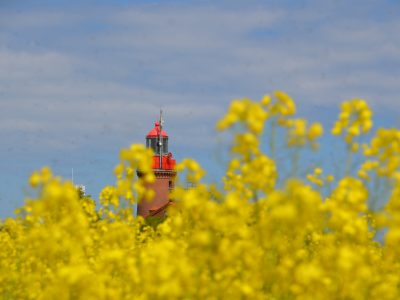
column 76, row 76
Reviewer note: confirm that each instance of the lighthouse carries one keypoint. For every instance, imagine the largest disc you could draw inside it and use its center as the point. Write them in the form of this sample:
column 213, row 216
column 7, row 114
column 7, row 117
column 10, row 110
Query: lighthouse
column 163, row 167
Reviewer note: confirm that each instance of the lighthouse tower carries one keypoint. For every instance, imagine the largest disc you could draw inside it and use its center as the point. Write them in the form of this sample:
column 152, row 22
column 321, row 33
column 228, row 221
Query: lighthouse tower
column 163, row 167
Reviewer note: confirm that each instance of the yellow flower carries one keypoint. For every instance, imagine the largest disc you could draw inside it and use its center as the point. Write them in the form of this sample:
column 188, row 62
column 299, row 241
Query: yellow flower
column 354, row 119
column 315, row 131
column 286, row 105
column 35, row 179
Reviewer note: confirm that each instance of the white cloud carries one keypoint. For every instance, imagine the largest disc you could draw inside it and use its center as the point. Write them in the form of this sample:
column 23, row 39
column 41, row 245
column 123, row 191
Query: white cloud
column 30, row 20
column 17, row 66
column 78, row 82
column 17, row 125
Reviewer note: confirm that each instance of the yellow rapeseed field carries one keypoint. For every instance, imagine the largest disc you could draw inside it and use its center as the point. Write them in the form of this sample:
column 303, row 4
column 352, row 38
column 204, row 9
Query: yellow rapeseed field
column 255, row 237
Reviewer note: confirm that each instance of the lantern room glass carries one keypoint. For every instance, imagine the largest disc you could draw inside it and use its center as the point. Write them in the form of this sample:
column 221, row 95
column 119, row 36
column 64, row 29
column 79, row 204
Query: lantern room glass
column 152, row 143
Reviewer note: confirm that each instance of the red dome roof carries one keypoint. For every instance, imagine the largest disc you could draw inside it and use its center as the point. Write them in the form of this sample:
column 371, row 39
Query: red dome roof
column 156, row 131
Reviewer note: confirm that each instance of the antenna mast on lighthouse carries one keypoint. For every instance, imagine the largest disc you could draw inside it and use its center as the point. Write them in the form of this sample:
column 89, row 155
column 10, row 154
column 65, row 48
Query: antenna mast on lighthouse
column 160, row 141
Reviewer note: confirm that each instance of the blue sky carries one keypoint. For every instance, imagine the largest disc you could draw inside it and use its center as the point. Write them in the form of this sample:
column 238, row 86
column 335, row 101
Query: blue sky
column 81, row 79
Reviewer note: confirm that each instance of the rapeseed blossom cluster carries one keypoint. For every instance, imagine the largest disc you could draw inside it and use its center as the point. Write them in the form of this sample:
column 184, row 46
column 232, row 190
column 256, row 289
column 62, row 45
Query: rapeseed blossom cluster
column 318, row 178
column 300, row 133
column 383, row 153
column 255, row 236
column 354, row 120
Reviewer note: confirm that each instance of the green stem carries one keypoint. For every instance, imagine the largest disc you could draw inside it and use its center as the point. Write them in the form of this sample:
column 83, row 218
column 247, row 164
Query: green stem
column 295, row 162
column 349, row 160
column 272, row 140
column 375, row 197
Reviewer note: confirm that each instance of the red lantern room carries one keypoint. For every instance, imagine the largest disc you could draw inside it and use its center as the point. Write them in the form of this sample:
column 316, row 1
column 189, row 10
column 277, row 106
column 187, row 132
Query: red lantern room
column 163, row 166
column 157, row 139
